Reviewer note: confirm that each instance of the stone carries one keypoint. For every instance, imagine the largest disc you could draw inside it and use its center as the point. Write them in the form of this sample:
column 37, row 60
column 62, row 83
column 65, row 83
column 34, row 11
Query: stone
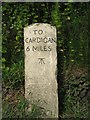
column 40, row 42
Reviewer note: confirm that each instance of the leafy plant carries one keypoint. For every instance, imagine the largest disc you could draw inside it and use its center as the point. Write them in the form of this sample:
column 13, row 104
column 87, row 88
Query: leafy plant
column 13, row 76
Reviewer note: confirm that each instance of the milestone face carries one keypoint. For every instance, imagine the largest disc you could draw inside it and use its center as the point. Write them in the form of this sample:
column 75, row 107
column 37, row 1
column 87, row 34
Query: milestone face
column 41, row 66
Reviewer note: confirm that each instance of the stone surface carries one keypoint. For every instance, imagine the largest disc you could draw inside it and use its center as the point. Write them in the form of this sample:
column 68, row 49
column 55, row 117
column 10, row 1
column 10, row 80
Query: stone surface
column 41, row 67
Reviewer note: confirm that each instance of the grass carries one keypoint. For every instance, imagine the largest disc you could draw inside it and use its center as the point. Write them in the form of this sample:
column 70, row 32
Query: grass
column 75, row 88
column 13, row 103
column 15, row 106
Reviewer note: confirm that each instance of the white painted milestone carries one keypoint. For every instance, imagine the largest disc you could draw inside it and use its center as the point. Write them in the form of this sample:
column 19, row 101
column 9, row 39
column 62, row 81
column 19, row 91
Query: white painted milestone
column 41, row 67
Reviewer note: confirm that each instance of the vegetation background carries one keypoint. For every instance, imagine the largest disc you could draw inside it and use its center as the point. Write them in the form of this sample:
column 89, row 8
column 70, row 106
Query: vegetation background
column 71, row 21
